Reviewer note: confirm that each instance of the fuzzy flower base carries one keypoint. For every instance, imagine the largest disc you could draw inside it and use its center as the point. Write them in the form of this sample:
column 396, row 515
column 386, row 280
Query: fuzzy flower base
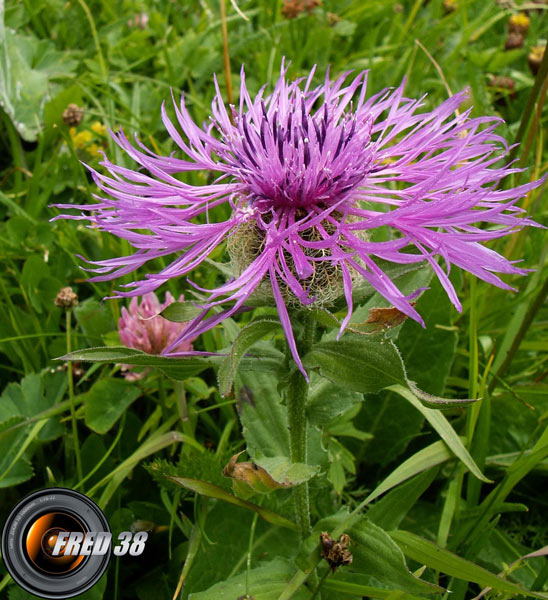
column 310, row 172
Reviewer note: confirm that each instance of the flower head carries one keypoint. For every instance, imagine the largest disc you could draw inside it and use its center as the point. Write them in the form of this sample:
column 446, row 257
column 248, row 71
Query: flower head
column 141, row 327
column 308, row 173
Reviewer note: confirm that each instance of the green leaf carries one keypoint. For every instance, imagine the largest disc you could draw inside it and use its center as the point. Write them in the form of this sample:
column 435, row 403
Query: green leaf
column 13, row 473
column 226, row 553
column 94, row 319
column 365, row 366
column 29, row 67
column 181, row 312
column 40, row 287
column 212, row 491
column 106, row 401
column 264, row 477
column 282, row 470
column 350, row 585
column 153, row 444
column 424, row 459
column 340, row 460
column 263, row 416
column 264, row 420
column 326, row 401
column 438, row 421
column 375, row 555
column 265, row 581
column 178, row 368
column 368, row 366
column 393, row 422
column 34, row 395
column 248, row 336
column 431, row 555
column 424, row 347
column 389, row 511
column 21, row 441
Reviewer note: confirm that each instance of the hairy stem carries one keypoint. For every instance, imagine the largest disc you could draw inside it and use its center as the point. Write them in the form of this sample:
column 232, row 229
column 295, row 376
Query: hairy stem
column 297, row 394
column 79, row 470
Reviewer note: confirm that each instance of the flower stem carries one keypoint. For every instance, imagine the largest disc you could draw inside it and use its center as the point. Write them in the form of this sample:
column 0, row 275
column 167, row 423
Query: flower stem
column 79, row 471
column 297, row 394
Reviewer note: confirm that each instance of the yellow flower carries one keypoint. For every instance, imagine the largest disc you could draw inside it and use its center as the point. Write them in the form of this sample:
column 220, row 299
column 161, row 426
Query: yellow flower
column 519, row 23
column 99, row 128
column 82, row 139
column 94, row 150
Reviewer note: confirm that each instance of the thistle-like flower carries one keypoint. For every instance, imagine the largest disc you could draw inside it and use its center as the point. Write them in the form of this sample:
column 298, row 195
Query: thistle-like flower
column 308, row 172
column 141, row 327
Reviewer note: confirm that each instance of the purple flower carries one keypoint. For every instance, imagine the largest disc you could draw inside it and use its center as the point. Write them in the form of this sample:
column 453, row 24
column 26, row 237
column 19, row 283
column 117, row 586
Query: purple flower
column 308, row 172
column 141, row 327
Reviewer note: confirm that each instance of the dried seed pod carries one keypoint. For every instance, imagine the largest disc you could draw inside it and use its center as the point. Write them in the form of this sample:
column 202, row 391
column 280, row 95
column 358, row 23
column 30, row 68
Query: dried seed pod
column 337, row 553
column 514, row 40
column 66, row 298
column 73, row 115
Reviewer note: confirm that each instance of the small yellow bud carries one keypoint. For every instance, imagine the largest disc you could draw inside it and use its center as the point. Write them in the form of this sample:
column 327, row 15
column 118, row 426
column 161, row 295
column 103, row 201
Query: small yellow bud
column 99, row 128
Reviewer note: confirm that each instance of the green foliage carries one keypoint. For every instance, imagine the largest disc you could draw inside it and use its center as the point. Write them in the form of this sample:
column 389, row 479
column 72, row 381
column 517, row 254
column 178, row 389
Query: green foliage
column 106, row 401
column 266, row 581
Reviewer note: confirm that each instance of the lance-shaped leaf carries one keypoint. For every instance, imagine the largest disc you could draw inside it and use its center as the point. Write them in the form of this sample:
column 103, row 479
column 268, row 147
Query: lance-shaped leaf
column 178, row 368
column 444, row 429
column 212, row 491
column 431, row 555
column 424, row 459
column 267, row 581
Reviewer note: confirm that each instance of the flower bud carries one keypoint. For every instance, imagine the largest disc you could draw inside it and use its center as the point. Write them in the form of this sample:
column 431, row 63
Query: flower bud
column 535, row 58
column 336, row 553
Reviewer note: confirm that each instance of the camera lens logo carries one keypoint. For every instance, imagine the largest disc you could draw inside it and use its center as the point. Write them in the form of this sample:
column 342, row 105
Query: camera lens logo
column 56, row 543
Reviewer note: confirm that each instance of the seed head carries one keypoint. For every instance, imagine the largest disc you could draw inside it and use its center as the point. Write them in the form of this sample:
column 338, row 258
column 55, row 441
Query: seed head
column 66, row 298
column 73, row 115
